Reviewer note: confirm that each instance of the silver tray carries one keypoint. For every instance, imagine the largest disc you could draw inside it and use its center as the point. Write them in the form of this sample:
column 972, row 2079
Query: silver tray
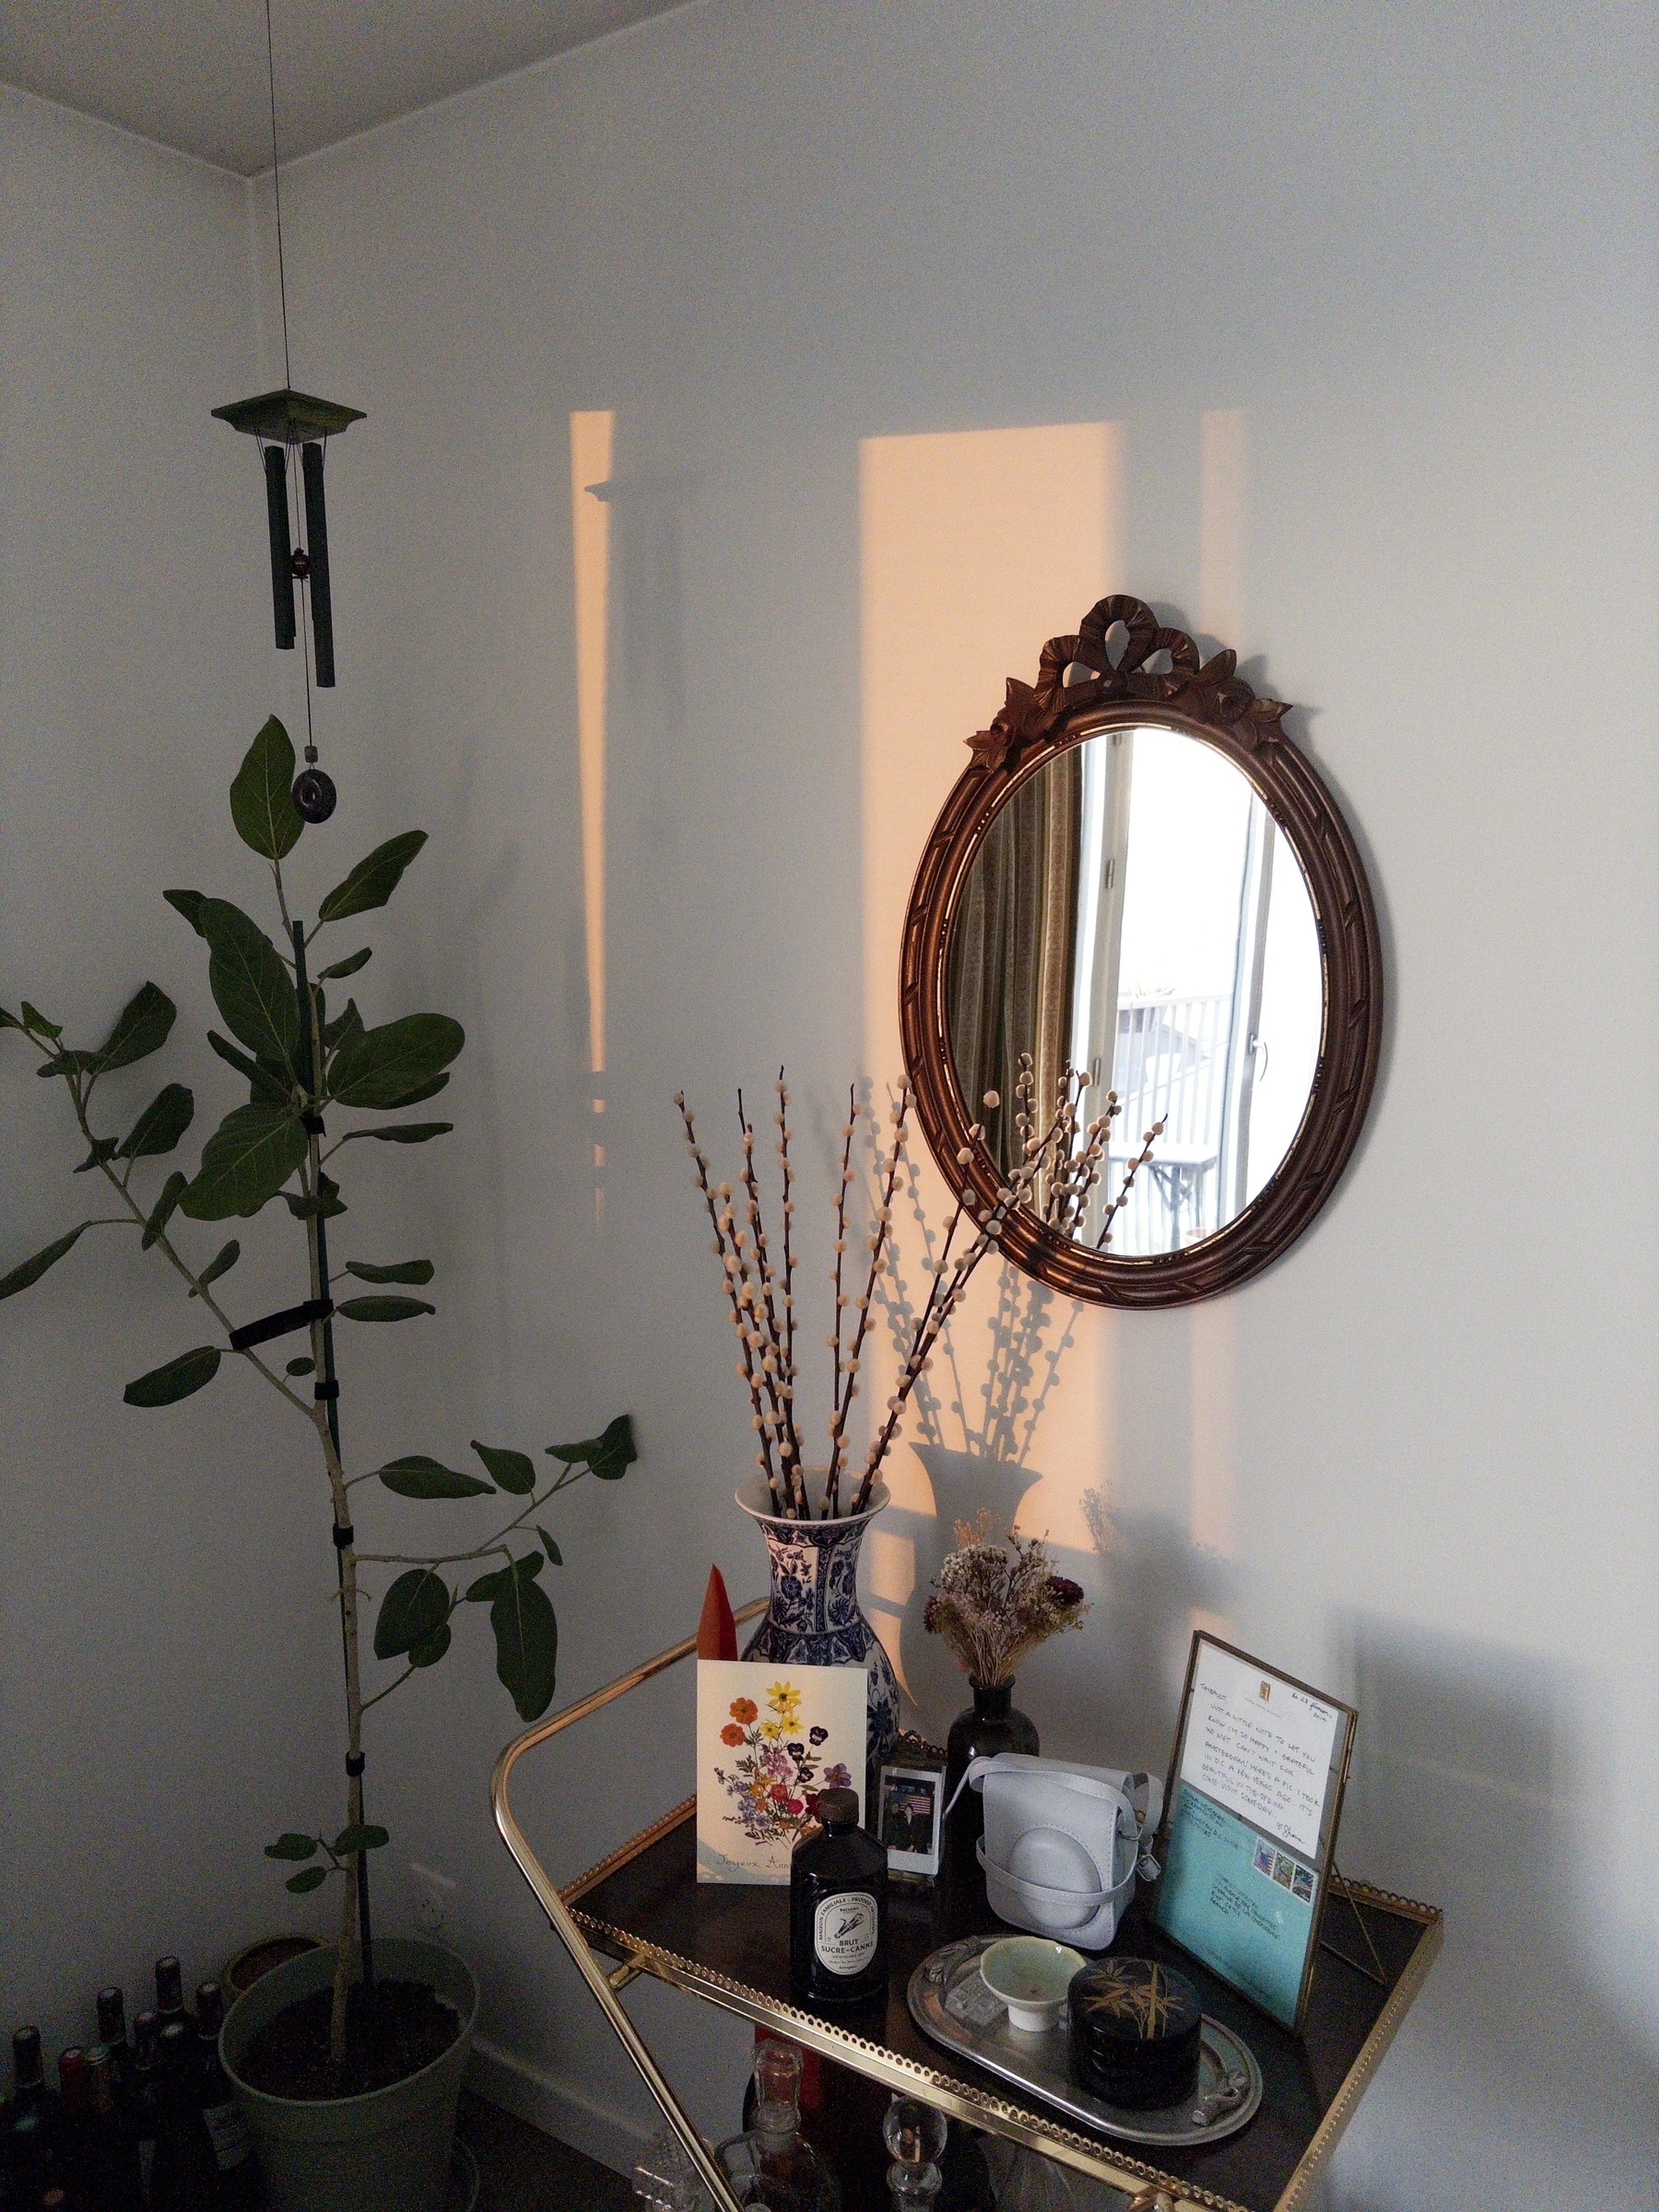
column 949, row 2002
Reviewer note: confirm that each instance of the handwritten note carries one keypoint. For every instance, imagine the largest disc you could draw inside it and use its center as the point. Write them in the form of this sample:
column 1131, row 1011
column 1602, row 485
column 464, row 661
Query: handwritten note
column 1260, row 1747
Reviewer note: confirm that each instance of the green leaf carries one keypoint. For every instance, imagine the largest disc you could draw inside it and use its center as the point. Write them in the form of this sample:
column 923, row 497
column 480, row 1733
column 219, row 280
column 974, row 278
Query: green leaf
column 103, row 1148
column 292, row 1846
column 431, row 1649
column 323, row 1207
column 301, row 1367
column 313, row 1879
column 609, row 1456
column 374, row 880
column 250, row 982
column 270, row 1085
column 180, row 1377
column 514, row 1471
column 38, row 1023
column 421, row 1092
column 553, row 1551
column 417, row 1603
column 384, row 1065
column 527, row 1566
column 384, row 1309
column 403, row 1270
column 161, row 1125
column 30, row 1271
column 413, row 1133
column 173, row 1190
column 415, row 1475
column 262, row 806
column 349, row 1024
column 190, row 904
column 245, row 1162
column 141, row 1029
column 221, row 1264
column 345, row 968
column 361, row 1836
column 526, row 1634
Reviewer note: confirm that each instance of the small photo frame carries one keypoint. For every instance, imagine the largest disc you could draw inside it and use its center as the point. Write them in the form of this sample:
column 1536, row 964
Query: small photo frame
column 910, row 1807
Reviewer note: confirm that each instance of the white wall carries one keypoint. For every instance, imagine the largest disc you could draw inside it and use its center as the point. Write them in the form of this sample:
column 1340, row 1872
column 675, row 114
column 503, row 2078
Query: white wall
column 1415, row 1463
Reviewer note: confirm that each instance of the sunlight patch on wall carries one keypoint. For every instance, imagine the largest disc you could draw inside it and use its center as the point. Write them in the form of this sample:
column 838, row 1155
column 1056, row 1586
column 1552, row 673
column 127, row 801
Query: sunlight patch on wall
column 976, row 547
column 592, row 435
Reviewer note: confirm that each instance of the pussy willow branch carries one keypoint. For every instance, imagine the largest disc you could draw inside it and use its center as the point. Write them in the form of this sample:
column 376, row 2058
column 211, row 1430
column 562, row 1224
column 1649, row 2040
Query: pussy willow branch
column 789, row 1315
column 841, row 1252
column 1121, row 1199
column 730, row 1274
column 772, row 1356
column 877, row 1243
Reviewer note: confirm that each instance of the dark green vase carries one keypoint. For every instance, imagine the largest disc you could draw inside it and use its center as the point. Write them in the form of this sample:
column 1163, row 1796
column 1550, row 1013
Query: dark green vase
column 991, row 1723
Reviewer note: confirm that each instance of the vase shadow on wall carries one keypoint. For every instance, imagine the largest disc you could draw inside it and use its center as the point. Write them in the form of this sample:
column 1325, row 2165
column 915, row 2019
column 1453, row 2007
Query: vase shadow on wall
column 1477, row 1785
column 1108, row 1694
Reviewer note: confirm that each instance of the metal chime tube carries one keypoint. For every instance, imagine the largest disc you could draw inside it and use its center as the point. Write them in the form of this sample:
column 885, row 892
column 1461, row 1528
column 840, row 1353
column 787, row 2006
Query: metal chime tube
column 282, row 572
column 316, row 547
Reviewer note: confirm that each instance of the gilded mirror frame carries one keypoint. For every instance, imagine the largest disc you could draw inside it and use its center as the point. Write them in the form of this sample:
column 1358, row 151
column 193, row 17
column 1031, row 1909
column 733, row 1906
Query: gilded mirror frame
column 1155, row 677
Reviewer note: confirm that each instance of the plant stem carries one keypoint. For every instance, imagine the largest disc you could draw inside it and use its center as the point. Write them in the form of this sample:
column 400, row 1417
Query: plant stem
column 325, row 1418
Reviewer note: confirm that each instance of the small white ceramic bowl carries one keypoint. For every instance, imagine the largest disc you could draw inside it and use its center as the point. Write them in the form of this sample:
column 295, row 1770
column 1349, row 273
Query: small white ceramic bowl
column 1031, row 1976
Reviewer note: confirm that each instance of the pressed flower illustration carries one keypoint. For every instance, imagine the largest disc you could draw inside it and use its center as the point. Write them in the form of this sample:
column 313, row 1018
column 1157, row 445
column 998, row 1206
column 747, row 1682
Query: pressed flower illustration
column 774, row 1786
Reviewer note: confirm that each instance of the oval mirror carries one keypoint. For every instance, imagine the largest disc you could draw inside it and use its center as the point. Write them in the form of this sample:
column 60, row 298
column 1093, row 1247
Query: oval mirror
column 1142, row 974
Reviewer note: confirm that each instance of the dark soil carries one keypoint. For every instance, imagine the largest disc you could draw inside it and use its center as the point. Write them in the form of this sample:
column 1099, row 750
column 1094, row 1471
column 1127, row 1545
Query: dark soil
column 390, row 2034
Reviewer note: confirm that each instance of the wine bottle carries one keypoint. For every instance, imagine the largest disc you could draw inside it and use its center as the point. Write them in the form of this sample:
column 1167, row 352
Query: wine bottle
column 31, row 2119
column 115, row 2181
column 75, row 2109
column 184, row 2176
column 146, row 2090
column 239, row 2182
column 113, row 2035
column 170, row 1991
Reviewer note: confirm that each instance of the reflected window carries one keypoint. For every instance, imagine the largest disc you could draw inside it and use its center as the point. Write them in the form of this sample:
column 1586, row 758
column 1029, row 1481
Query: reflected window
column 1133, row 915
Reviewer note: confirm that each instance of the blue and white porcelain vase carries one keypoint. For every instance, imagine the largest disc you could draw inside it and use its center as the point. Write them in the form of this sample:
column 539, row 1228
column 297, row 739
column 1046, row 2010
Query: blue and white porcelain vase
column 814, row 1619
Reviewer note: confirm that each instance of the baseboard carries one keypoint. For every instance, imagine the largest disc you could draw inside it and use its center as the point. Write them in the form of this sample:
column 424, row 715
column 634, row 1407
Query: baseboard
column 558, row 2107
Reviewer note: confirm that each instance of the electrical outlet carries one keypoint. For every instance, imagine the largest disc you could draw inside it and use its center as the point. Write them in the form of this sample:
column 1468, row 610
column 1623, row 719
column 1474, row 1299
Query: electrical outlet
column 433, row 1900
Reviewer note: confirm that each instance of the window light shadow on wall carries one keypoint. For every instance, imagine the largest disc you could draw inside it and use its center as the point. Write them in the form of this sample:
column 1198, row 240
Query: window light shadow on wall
column 592, row 440
column 976, row 547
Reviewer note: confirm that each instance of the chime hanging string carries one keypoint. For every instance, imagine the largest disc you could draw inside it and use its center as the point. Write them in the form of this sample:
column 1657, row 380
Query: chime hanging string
column 288, row 373
column 295, row 489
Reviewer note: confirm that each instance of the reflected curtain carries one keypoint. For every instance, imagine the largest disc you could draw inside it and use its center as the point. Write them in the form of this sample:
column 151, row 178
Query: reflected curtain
column 1013, row 953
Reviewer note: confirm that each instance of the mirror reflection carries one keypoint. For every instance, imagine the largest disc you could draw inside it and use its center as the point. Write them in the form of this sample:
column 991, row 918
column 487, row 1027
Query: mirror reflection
column 1133, row 924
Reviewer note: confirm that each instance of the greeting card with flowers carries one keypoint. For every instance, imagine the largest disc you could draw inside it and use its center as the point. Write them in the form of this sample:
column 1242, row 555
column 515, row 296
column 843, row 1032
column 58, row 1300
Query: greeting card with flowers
column 769, row 1738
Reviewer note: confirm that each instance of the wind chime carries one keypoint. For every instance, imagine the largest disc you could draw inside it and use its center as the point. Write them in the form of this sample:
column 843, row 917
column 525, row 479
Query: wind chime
column 290, row 425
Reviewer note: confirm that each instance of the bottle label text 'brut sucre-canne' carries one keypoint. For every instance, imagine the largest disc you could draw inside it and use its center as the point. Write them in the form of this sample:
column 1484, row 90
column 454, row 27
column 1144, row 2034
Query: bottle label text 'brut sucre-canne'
column 845, row 1930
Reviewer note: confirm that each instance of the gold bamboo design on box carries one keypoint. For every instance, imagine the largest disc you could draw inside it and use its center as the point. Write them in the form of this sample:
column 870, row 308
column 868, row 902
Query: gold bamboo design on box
column 1149, row 2004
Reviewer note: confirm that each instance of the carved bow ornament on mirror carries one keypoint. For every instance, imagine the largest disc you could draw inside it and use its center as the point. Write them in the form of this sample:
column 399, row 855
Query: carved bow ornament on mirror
column 1213, row 693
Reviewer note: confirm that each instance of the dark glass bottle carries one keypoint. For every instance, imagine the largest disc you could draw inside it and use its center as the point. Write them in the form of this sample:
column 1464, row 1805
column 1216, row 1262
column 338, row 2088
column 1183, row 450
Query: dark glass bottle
column 991, row 1723
column 30, row 2120
column 147, row 2088
column 238, row 2169
column 114, row 2182
column 170, row 1991
column 113, row 2035
column 838, row 1909
column 74, row 2120
column 184, row 2176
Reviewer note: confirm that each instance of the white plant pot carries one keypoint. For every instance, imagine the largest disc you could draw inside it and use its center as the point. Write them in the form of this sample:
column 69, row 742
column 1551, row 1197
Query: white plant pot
column 386, row 2151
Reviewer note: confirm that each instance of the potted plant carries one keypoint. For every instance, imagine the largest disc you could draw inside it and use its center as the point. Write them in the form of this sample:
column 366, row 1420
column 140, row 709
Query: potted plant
column 348, row 2073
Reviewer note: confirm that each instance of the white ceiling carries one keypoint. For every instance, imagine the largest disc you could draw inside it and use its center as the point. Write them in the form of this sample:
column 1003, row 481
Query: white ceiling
column 192, row 73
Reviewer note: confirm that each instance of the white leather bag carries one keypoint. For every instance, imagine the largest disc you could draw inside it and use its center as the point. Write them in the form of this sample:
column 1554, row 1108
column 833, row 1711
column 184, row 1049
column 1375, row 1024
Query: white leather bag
column 1063, row 1842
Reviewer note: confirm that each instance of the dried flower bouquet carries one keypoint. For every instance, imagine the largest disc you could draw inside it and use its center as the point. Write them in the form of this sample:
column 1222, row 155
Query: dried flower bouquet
column 1060, row 1167
column 996, row 1597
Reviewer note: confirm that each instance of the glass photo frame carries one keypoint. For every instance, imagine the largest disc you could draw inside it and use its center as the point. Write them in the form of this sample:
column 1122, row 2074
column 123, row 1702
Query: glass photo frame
column 1256, row 1782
